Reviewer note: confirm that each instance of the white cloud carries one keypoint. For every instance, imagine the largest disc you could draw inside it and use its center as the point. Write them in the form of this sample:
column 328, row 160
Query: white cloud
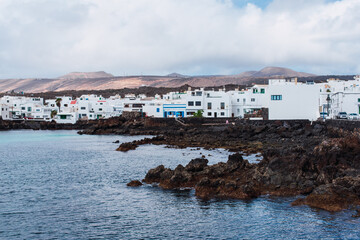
column 47, row 38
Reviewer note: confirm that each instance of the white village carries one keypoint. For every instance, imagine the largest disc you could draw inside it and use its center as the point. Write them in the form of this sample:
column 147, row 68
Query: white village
column 280, row 99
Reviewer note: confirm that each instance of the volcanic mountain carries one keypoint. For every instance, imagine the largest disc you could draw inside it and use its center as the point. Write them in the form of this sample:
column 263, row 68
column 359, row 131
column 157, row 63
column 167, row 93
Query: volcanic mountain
column 102, row 80
column 86, row 75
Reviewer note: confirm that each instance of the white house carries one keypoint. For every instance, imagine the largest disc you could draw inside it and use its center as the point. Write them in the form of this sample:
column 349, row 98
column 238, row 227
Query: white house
column 292, row 100
column 249, row 101
column 20, row 107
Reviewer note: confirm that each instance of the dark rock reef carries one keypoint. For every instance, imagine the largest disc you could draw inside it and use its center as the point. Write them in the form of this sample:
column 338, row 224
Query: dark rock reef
column 325, row 167
column 134, row 183
column 320, row 160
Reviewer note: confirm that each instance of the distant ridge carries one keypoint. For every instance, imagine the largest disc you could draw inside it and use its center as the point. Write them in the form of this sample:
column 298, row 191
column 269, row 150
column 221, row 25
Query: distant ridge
column 275, row 72
column 84, row 75
column 176, row 75
column 102, row 80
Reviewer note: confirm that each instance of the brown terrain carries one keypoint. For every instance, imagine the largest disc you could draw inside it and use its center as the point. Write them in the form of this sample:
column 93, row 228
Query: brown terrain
column 101, row 81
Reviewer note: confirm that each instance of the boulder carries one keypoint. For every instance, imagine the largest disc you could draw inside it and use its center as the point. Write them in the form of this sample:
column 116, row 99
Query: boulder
column 154, row 175
column 134, row 183
column 124, row 147
column 196, row 165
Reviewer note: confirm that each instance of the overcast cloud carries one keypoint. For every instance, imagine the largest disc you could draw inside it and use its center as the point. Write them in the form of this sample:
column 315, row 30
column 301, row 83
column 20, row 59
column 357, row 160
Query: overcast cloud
column 48, row 38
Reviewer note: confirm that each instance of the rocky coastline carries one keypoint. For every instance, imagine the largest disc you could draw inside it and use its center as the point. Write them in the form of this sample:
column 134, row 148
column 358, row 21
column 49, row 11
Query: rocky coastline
column 6, row 125
column 317, row 161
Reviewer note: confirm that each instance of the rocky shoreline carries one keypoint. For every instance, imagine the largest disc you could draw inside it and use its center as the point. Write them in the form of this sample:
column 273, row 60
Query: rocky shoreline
column 6, row 125
column 319, row 161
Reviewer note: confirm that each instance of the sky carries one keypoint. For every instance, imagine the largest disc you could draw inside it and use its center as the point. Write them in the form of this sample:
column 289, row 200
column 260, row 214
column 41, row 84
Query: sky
column 49, row 38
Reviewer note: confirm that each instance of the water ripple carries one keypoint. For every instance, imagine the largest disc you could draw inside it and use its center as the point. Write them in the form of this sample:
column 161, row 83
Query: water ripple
column 60, row 185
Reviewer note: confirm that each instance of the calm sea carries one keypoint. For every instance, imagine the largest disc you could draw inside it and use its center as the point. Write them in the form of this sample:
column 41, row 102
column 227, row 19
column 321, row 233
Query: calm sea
column 60, row 185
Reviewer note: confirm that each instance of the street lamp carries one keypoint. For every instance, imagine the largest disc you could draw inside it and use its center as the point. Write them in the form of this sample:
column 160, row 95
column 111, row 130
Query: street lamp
column 328, row 99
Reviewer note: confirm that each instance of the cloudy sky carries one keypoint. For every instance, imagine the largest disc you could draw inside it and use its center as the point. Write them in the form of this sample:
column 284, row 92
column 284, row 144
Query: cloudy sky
column 49, row 38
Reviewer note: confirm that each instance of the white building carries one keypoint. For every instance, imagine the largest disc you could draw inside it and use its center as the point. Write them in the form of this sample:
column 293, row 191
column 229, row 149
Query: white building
column 213, row 104
column 281, row 98
column 249, row 101
column 17, row 108
column 292, row 100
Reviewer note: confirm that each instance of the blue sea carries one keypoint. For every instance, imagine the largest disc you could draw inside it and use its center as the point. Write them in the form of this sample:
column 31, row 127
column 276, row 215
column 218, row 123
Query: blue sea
column 61, row 185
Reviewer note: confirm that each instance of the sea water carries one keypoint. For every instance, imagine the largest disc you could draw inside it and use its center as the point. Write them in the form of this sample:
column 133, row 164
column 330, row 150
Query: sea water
column 61, row 185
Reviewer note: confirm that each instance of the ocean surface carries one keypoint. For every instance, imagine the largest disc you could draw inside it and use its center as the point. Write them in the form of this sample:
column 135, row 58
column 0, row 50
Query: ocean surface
column 60, row 185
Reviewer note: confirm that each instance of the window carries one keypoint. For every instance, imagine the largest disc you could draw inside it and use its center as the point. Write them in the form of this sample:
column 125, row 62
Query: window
column 238, row 110
column 208, row 94
column 90, row 115
column 84, row 115
column 358, row 99
column 52, row 105
column 190, row 113
column 197, row 103
column 38, row 109
column 101, row 103
column 255, row 90
column 14, row 105
column 209, row 113
column 65, row 105
column 209, row 105
column 83, row 108
column 222, row 114
column 238, row 100
column 22, row 108
column 276, row 97
column 157, row 109
column 63, row 117
column 262, row 90
column 100, row 109
column 190, row 103
column 29, row 109
column 198, row 93
column 253, row 99
column 222, row 105
column 244, row 100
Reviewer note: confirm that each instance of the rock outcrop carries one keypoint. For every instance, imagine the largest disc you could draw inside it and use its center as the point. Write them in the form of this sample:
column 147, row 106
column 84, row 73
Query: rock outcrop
column 328, row 173
column 134, row 183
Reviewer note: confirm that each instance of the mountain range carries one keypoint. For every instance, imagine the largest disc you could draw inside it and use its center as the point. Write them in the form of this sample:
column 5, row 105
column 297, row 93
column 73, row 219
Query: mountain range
column 102, row 80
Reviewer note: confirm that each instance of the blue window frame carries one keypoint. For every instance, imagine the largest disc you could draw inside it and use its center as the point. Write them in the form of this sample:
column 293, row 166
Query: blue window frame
column 276, row 97
column 157, row 109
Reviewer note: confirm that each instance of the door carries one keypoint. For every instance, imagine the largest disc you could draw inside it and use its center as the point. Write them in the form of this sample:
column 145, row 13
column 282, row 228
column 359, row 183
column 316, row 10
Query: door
column 215, row 114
